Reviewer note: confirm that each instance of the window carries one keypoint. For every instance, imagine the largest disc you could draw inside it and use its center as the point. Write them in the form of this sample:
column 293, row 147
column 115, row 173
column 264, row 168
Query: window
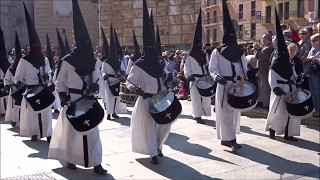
column 214, row 16
column 253, row 8
column 214, row 35
column 214, row 2
column 268, row 14
column 286, row 10
column 208, row 35
column 280, row 10
column 240, row 11
column 208, row 17
column 300, row 8
column 240, row 32
column 208, row 3
column 253, row 31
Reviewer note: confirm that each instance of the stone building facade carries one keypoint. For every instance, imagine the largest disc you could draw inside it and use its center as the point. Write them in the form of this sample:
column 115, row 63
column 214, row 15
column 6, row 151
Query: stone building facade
column 47, row 16
column 176, row 20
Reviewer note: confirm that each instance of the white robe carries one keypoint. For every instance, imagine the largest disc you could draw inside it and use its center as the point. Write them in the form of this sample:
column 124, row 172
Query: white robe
column 67, row 143
column 101, row 83
column 146, row 135
column 3, row 100
column 113, row 102
column 227, row 118
column 130, row 63
column 278, row 116
column 200, row 105
column 13, row 111
column 29, row 120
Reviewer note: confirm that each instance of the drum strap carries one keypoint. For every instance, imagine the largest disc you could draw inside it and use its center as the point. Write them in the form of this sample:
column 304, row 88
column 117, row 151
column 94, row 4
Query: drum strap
column 5, row 104
column 85, row 151
column 159, row 85
column 39, row 77
column 40, row 125
column 233, row 70
column 286, row 82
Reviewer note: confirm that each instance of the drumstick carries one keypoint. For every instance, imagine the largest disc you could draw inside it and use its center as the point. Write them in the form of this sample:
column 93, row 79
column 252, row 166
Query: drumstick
column 224, row 88
column 277, row 104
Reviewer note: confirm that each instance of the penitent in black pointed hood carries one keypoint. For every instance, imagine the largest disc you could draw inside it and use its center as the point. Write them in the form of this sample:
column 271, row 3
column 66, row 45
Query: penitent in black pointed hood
column 49, row 53
column 149, row 62
column 81, row 57
column 137, row 52
column 66, row 44
column 113, row 59
column 230, row 48
column 158, row 43
column 35, row 57
column 281, row 64
column 4, row 63
column 116, row 40
column 17, row 47
column 62, row 49
column 152, row 23
column 196, row 50
column 105, row 46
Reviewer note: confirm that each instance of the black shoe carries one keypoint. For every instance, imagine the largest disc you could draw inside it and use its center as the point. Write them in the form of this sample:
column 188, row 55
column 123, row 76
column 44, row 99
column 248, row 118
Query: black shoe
column 226, row 143
column 13, row 124
column 291, row 138
column 199, row 120
column 265, row 107
column 108, row 117
column 34, row 138
column 56, row 111
column 272, row 134
column 259, row 104
column 71, row 166
column 160, row 153
column 154, row 160
column 115, row 115
column 49, row 139
column 99, row 170
column 235, row 145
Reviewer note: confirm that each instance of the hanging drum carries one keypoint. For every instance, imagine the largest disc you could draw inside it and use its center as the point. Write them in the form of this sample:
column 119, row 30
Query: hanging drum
column 85, row 114
column 206, row 86
column 115, row 87
column 39, row 97
column 127, row 96
column 16, row 93
column 2, row 92
column 164, row 107
column 299, row 103
column 242, row 96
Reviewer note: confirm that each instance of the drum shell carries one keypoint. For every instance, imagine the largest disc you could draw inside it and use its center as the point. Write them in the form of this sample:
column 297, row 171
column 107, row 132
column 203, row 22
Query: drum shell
column 115, row 88
column 95, row 114
column 243, row 103
column 17, row 94
column 127, row 96
column 174, row 109
column 3, row 93
column 208, row 92
column 299, row 109
column 51, row 87
column 45, row 96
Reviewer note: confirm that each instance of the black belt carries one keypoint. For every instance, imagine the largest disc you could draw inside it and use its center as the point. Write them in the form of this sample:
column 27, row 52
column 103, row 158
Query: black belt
column 75, row 91
column 113, row 75
column 230, row 78
column 147, row 95
column 284, row 82
column 31, row 86
column 197, row 75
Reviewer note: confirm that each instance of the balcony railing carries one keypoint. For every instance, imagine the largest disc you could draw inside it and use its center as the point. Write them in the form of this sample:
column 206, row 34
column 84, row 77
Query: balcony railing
column 292, row 15
column 208, row 3
column 212, row 20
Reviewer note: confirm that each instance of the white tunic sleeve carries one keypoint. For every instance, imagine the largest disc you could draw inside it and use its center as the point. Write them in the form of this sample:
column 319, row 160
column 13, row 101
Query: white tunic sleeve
column 133, row 77
column 60, row 83
column 187, row 67
column 8, row 77
column 214, row 64
column 20, row 71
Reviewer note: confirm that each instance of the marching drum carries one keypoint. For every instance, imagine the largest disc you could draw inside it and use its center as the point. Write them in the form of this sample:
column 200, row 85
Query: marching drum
column 85, row 114
column 299, row 103
column 242, row 96
column 127, row 96
column 114, row 87
column 206, row 86
column 2, row 92
column 164, row 107
column 16, row 93
column 39, row 97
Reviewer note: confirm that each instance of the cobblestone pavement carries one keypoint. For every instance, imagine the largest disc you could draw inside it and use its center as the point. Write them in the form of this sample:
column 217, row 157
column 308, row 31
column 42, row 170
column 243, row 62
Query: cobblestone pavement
column 191, row 152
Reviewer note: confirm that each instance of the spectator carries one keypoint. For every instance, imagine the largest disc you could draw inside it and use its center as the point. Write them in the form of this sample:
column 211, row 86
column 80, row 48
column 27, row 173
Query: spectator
column 304, row 44
column 310, row 30
column 183, row 91
column 183, row 58
column 283, row 27
column 294, row 59
column 171, row 65
column 314, row 78
column 126, row 51
column 250, row 57
column 177, row 60
column 287, row 36
column 263, row 54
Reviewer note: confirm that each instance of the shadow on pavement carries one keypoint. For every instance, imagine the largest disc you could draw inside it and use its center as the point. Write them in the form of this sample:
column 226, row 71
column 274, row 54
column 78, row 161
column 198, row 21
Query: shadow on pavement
column 278, row 164
column 172, row 169
column 207, row 120
column 80, row 173
column 42, row 146
column 248, row 130
column 125, row 121
column 181, row 144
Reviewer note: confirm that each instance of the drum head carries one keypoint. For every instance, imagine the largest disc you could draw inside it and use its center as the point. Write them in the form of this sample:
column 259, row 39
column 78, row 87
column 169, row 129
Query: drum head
column 81, row 107
column 32, row 92
column 160, row 101
column 241, row 89
column 242, row 96
column 299, row 103
column 205, row 82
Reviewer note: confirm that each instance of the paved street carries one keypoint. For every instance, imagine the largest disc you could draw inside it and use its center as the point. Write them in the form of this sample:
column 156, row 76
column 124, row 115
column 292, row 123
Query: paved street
column 191, row 152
